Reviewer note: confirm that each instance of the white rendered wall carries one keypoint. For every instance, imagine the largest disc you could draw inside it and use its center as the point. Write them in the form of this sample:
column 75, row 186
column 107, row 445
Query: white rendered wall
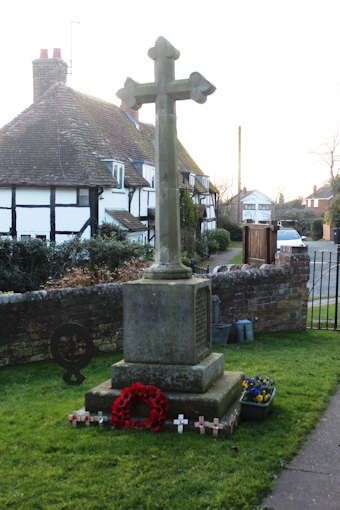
column 5, row 220
column 5, row 197
column 71, row 218
column 35, row 221
column 117, row 200
column 143, row 203
column 65, row 196
column 134, row 207
column 33, row 196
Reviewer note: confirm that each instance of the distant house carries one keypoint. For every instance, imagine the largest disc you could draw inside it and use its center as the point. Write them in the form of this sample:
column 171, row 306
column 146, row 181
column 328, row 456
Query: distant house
column 70, row 162
column 255, row 207
column 320, row 199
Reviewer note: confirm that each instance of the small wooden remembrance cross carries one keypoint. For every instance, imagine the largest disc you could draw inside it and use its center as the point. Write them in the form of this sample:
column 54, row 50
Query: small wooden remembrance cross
column 165, row 91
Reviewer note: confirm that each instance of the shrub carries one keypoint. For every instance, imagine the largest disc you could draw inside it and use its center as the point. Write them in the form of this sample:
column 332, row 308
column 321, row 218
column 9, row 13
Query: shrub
column 111, row 231
column 317, row 230
column 26, row 265
column 222, row 237
column 234, row 229
column 333, row 213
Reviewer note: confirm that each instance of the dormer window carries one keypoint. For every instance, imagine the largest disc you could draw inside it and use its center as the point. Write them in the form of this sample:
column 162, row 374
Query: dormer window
column 192, row 180
column 117, row 170
column 149, row 175
column 205, row 182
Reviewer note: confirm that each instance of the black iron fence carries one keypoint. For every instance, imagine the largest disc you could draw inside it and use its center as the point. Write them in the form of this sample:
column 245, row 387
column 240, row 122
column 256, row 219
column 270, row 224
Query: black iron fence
column 323, row 285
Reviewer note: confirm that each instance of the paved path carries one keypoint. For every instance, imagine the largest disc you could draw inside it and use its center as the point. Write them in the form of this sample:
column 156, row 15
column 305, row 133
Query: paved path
column 311, row 481
column 223, row 258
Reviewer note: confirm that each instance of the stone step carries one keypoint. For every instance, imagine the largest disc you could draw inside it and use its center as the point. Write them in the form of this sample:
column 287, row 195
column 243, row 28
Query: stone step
column 214, row 403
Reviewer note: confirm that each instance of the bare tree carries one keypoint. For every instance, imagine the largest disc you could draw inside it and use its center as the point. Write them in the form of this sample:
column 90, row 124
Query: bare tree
column 329, row 154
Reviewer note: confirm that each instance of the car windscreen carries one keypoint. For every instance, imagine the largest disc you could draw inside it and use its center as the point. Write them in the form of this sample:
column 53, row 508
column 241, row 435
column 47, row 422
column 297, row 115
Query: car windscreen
column 286, row 235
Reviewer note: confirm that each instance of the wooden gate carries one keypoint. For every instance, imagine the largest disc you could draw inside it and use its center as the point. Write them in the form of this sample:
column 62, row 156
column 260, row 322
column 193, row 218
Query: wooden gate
column 259, row 243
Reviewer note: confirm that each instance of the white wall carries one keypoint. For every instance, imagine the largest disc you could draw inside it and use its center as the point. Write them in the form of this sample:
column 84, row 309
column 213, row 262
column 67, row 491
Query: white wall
column 71, row 218
column 34, row 221
column 5, row 197
column 33, row 196
column 112, row 200
column 65, row 196
column 5, row 220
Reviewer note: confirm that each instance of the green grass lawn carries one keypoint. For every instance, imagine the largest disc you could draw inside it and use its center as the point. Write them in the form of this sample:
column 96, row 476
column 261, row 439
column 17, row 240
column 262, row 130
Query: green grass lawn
column 47, row 464
column 320, row 313
column 238, row 258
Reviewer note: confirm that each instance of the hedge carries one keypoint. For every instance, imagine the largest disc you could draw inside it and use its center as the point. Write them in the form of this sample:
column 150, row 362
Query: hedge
column 26, row 265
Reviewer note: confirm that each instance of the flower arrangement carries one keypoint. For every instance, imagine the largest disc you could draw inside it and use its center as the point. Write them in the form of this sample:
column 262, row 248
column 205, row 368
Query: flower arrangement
column 150, row 395
column 258, row 389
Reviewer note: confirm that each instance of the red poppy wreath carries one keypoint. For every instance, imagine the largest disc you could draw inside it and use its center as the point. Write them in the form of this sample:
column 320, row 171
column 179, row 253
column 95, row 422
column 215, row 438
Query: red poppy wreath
column 150, row 395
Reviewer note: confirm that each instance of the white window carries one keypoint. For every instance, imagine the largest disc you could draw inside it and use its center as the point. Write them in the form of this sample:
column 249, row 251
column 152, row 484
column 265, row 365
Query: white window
column 249, row 207
column 117, row 170
column 149, row 175
column 83, row 196
column 192, row 180
column 205, row 182
column 264, row 207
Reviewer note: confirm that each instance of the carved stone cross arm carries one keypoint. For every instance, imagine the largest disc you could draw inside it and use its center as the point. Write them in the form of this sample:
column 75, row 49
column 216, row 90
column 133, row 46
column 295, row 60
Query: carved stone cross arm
column 136, row 94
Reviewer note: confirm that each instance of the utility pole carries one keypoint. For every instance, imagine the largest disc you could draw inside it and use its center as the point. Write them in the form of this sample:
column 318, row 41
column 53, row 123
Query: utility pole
column 239, row 178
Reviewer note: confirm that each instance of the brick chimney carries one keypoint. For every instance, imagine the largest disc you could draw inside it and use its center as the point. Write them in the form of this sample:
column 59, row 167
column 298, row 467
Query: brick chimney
column 130, row 111
column 47, row 71
column 314, row 189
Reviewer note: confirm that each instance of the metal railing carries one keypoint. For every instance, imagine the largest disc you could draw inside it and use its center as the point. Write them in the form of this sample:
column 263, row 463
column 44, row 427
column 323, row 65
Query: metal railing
column 323, row 287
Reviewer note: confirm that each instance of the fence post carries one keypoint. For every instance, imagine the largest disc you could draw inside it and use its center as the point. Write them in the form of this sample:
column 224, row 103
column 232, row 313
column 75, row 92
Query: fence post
column 245, row 243
column 337, row 286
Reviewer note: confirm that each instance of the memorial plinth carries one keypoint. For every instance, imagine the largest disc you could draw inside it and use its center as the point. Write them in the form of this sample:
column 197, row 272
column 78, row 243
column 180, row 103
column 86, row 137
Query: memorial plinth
column 167, row 315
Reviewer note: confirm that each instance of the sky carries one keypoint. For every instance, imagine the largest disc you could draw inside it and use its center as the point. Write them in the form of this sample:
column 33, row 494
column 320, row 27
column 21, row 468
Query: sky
column 275, row 65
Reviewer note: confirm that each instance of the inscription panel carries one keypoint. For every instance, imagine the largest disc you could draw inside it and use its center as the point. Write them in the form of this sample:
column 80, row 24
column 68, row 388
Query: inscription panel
column 202, row 336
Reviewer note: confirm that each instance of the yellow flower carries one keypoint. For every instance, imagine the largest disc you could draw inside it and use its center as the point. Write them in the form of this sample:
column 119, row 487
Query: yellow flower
column 259, row 398
column 244, row 384
column 266, row 398
column 263, row 392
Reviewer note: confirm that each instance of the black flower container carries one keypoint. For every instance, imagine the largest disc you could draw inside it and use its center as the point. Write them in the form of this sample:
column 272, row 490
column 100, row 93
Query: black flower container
column 254, row 411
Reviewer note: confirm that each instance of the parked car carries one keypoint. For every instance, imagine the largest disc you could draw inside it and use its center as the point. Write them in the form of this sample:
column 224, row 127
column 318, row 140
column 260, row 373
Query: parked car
column 289, row 237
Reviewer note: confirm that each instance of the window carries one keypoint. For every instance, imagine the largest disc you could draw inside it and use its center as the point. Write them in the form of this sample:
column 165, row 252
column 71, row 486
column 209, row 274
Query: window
column 264, row 207
column 118, row 173
column 25, row 237
column 249, row 207
column 192, row 180
column 149, row 175
column 83, row 196
column 205, row 182
column 117, row 170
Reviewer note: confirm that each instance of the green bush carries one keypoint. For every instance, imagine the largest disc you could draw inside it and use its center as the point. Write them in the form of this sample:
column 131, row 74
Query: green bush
column 317, row 230
column 26, row 265
column 222, row 237
column 234, row 229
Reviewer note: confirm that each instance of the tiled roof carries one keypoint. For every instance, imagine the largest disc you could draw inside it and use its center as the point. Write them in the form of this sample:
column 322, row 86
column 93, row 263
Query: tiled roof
column 323, row 192
column 127, row 220
column 61, row 139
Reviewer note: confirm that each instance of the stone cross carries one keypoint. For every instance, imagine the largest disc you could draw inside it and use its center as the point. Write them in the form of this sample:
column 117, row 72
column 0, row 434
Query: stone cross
column 180, row 421
column 165, row 91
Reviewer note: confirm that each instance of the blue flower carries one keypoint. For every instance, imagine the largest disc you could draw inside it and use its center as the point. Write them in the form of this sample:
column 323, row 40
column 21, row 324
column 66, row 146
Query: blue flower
column 254, row 392
column 249, row 380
